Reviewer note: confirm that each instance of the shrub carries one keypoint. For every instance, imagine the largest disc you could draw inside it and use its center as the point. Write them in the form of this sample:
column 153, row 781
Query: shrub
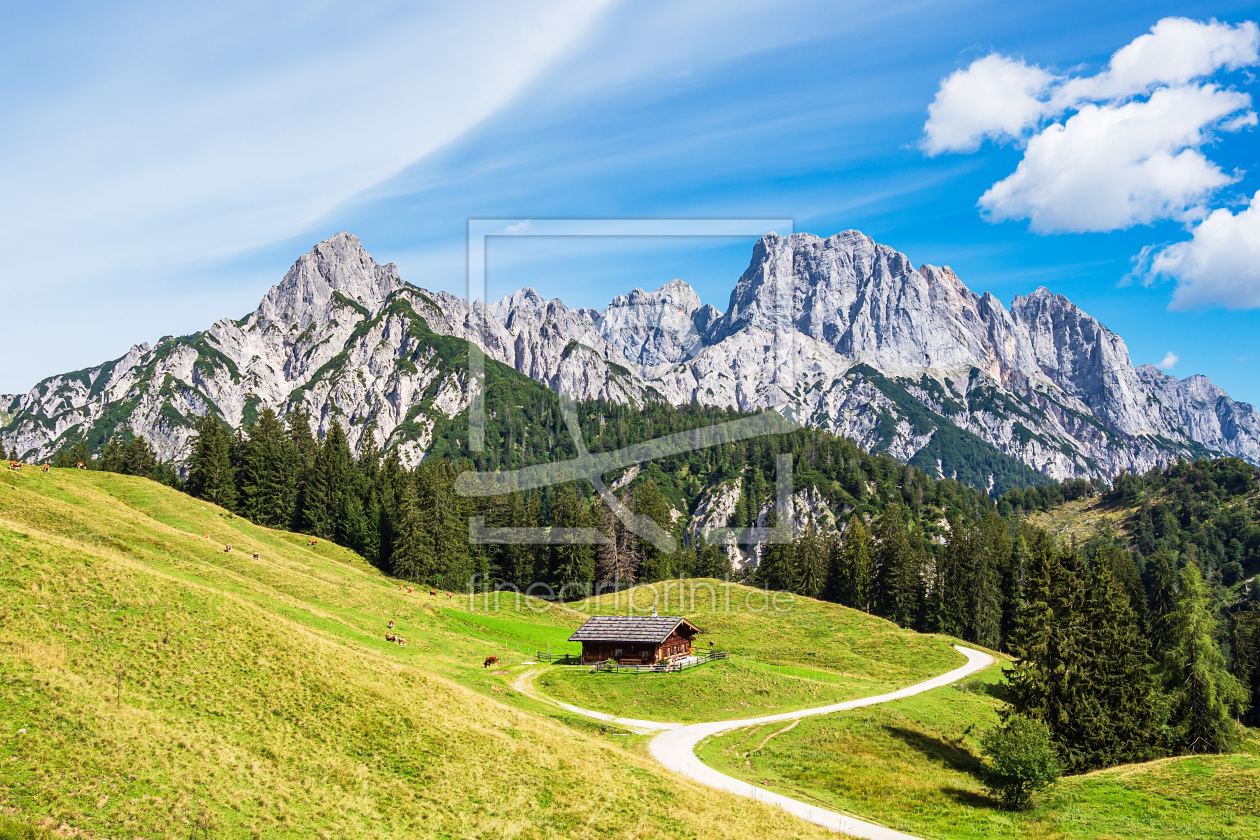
column 1018, row 761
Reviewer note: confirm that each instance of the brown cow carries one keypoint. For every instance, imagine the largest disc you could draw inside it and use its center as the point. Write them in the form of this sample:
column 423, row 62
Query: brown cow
column 433, row 592
column 391, row 624
column 449, row 595
column 14, row 465
column 410, row 590
column 490, row 660
column 312, row 542
column 390, row 637
column 227, row 549
column 80, row 466
column 257, row 555
column 45, row 468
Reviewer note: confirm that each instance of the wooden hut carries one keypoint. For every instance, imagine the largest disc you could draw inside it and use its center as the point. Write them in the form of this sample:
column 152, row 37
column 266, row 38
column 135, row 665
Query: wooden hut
column 635, row 639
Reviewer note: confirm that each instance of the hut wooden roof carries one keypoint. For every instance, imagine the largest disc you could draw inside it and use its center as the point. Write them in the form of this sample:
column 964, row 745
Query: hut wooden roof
column 630, row 628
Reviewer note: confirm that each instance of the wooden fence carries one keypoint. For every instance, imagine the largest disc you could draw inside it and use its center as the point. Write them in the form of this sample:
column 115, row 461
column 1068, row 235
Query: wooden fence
column 661, row 667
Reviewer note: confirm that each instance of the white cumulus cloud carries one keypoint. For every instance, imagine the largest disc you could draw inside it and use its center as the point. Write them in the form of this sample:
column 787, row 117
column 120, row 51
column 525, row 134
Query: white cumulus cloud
column 1115, row 166
column 1169, row 362
column 1176, row 51
column 996, row 97
column 1108, row 151
column 1220, row 264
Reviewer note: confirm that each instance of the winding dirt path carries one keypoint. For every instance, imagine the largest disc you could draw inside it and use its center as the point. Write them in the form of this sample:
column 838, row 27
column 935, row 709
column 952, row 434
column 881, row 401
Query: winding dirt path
column 675, row 746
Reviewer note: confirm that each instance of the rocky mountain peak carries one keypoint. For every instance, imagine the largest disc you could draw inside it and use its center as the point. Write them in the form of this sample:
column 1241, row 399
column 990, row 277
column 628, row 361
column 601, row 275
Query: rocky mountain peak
column 662, row 327
column 339, row 264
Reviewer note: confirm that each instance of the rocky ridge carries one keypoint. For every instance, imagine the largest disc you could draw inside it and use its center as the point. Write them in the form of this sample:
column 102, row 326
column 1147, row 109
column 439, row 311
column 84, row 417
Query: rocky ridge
column 842, row 333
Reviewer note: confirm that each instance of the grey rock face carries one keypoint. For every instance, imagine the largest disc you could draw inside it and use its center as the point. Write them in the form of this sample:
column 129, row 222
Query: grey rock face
column 842, row 333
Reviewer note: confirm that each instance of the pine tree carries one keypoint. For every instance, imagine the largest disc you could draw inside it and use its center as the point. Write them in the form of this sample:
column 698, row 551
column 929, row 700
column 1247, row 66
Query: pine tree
column 811, row 562
column 713, row 562
column 210, row 473
column 649, row 501
column 1204, row 695
column 410, row 554
column 329, row 486
column 777, row 567
column 985, row 607
column 1112, row 718
column 268, row 473
column 1247, row 660
column 853, row 566
column 138, row 458
column 113, row 458
column 1163, row 602
column 899, row 580
column 574, row 564
column 307, row 448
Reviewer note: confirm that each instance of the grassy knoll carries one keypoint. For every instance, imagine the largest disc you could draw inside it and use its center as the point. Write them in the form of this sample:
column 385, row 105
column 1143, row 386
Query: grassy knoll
column 792, row 630
column 913, row 765
column 717, row 691
column 818, row 653
column 165, row 685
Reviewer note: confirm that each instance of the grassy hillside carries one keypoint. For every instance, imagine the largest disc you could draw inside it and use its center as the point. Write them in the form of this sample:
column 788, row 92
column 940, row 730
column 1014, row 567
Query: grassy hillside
column 787, row 653
column 914, row 765
column 164, row 685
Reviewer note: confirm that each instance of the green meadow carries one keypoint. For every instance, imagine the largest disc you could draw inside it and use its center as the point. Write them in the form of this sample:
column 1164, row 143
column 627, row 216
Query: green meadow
column 154, row 685
column 914, row 765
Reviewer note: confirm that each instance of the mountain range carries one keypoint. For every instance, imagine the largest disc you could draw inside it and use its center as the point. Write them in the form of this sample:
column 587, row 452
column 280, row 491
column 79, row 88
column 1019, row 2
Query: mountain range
column 841, row 333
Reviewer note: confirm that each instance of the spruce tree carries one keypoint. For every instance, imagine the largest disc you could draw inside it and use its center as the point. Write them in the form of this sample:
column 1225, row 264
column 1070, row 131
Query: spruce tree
column 853, row 566
column 1163, row 602
column 1247, row 660
column 114, row 456
column 811, row 562
column 899, row 580
column 575, row 563
column 617, row 561
column 210, row 467
column 329, row 486
column 777, row 566
column 268, row 475
column 409, row 555
column 138, row 458
column 1204, row 695
column 649, row 501
column 985, row 601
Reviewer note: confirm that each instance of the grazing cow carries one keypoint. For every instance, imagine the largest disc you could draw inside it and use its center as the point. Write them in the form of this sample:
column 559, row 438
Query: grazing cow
column 449, row 595
column 433, row 592
column 45, row 468
column 391, row 624
column 390, row 637
column 80, row 466
column 312, row 542
column 410, row 590
column 490, row 660
column 402, row 642
column 227, row 549
column 257, row 555
column 14, row 465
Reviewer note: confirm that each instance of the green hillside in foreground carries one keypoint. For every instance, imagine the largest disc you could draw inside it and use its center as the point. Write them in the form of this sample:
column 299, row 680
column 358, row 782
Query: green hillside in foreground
column 929, row 744
column 165, row 685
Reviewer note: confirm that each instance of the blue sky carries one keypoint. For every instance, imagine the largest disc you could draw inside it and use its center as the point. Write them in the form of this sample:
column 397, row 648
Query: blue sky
column 162, row 169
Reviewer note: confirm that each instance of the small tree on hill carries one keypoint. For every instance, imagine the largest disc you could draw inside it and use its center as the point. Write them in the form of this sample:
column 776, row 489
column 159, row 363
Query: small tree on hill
column 1018, row 761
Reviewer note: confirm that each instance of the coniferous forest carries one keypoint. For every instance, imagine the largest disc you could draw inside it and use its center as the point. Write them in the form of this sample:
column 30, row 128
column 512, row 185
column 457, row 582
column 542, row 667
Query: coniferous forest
column 1128, row 646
